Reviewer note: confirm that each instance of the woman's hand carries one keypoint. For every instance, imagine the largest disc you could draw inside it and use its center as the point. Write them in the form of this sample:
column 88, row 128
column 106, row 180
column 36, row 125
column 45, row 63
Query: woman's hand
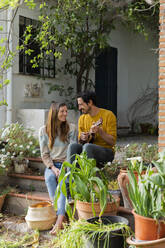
column 56, row 171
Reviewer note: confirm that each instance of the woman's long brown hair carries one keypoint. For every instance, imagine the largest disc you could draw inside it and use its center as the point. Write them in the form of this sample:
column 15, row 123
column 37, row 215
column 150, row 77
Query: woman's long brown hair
column 54, row 127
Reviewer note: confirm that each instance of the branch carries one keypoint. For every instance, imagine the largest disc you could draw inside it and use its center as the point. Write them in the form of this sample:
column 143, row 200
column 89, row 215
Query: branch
column 152, row 6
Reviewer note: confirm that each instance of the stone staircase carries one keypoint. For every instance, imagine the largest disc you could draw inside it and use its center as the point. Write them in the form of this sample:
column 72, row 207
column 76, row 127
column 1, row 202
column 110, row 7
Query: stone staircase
column 28, row 188
column 31, row 188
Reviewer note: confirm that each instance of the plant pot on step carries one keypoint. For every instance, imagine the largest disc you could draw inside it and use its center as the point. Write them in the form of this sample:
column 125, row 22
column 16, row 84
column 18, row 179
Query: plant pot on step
column 2, row 198
column 20, row 166
column 148, row 228
column 84, row 209
column 115, row 238
column 159, row 243
column 41, row 216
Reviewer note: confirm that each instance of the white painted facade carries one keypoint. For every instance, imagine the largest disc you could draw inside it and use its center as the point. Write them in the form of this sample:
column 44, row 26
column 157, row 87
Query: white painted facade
column 137, row 69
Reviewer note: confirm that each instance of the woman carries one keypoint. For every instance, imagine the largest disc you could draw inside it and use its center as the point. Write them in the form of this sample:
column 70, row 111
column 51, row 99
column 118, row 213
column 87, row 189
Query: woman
column 54, row 139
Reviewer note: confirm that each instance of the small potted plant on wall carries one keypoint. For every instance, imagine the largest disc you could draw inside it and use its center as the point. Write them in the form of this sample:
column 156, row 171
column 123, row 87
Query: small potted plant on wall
column 19, row 143
column 148, row 199
column 88, row 188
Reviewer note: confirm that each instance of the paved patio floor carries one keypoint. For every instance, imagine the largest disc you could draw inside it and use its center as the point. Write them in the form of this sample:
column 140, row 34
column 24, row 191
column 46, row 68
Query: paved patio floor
column 122, row 141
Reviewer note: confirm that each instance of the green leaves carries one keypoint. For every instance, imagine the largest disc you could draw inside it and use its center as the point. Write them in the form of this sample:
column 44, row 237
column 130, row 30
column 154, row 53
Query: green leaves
column 3, row 102
column 147, row 195
column 84, row 182
column 6, row 82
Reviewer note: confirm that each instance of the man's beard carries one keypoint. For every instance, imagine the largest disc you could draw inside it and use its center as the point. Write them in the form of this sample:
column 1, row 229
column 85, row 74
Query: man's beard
column 84, row 111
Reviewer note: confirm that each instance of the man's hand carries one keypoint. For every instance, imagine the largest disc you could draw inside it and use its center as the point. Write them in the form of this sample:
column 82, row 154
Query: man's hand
column 56, row 171
column 94, row 129
column 84, row 136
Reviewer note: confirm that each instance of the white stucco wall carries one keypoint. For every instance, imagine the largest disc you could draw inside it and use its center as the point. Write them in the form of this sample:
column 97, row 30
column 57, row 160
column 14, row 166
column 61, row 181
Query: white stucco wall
column 137, row 68
column 21, row 102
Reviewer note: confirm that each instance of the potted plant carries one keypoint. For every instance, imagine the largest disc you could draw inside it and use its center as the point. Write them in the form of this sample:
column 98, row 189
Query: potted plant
column 19, row 143
column 2, row 198
column 135, row 154
column 88, row 187
column 3, row 195
column 123, row 179
column 145, row 127
column 148, row 199
column 110, row 231
column 158, row 243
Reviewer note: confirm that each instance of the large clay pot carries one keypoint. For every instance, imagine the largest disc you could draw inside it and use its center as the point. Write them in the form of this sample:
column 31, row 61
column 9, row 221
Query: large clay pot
column 159, row 243
column 123, row 181
column 148, row 228
column 41, row 216
column 84, row 209
column 2, row 198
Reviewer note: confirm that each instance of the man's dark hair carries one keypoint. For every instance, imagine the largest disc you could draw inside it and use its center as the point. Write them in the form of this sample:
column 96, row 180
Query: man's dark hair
column 87, row 96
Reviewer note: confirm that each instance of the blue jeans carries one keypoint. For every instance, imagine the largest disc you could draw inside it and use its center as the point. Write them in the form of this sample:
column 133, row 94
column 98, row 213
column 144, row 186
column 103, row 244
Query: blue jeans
column 51, row 184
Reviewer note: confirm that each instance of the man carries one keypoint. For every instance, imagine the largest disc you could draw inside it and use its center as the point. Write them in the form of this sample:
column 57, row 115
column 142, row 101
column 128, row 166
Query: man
column 103, row 136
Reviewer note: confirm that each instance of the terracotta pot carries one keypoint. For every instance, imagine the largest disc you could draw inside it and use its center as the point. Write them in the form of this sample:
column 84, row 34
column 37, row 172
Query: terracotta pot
column 41, row 216
column 148, row 228
column 21, row 166
column 123, row 180
column 2, row 198
column 84, row 209
column 159, row 243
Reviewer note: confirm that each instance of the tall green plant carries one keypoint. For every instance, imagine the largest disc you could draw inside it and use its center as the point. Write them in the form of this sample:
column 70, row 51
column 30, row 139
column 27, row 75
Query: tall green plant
column 146, row 194
column 86, row 182
column 159, row 178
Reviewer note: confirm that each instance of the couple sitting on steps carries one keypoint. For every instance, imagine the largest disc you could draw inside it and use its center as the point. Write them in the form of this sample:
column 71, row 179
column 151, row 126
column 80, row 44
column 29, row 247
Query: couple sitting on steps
column 58, row 141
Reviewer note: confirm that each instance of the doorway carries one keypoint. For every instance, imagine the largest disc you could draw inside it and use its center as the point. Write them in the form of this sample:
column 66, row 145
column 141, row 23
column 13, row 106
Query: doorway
column 106, row 79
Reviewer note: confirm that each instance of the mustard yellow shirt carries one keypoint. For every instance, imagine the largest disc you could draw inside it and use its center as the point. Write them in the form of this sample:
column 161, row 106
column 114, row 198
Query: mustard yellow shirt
column 109, row 125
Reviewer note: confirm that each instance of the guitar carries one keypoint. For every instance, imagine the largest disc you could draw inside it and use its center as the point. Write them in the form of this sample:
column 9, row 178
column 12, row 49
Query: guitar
column 91, row 136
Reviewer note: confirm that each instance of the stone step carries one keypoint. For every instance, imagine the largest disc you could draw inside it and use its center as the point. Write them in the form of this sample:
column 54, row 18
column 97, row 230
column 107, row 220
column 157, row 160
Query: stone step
column 18, row 203
column 37, row 164
column 27, row 182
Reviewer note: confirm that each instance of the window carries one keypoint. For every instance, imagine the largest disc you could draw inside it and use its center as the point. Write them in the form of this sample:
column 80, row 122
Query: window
column 46, row 67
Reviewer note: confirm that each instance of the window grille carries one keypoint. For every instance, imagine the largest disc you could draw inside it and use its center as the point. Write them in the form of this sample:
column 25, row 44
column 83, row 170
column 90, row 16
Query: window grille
column 46, row 67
